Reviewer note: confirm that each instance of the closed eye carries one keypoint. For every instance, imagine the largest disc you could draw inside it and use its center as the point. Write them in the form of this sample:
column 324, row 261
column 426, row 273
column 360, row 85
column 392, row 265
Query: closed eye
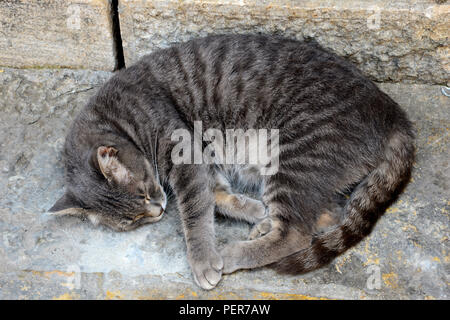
column 142, row 191
column 141, row 196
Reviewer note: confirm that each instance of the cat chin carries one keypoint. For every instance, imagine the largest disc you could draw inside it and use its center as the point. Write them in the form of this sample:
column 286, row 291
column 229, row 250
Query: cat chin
column 150, row 217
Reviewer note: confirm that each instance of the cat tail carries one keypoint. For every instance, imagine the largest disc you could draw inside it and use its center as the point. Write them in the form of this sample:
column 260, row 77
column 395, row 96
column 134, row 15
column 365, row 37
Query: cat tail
column 366, row 204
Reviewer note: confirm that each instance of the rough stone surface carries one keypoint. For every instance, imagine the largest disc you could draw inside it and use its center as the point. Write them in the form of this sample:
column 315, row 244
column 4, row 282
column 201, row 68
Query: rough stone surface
column 56, row 34
column 43, row 257
column 391, row 41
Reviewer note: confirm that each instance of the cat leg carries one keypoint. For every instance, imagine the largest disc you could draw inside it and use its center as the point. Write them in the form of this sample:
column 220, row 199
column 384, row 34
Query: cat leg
column 326, row 220
column 239, row 206
column 280, row 241
column 193, row 186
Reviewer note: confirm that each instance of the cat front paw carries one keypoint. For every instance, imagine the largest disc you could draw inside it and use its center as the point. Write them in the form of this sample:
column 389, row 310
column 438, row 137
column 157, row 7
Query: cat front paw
column 207, row 269
column 231, row 255
column 256, row 209
column 260, row 229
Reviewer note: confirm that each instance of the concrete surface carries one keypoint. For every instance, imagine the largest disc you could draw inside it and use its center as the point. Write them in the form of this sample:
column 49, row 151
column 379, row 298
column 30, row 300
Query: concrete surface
column 43, row 257
column 56, row 34
column 391, row 41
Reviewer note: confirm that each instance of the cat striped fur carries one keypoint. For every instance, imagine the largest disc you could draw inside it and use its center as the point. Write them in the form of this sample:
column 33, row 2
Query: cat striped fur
column 346, row 149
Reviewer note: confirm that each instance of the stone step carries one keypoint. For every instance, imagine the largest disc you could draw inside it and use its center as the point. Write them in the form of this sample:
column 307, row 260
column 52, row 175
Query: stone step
column 41, row 257
column 390, row 41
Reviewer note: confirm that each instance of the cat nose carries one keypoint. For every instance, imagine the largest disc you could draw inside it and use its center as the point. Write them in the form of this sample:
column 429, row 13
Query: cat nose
column 156, row 202
column 154, row 208
column 158, row 198
column 159, row 203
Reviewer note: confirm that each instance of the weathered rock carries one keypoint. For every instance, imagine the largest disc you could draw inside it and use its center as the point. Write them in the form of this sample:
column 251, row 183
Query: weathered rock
column 389, row 40
column 406, row 256
column 56, row 34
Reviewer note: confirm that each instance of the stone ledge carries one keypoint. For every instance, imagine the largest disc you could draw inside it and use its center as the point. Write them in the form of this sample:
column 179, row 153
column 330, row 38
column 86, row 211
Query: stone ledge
column 408, row 248
column 391, row 41
column 56, row 34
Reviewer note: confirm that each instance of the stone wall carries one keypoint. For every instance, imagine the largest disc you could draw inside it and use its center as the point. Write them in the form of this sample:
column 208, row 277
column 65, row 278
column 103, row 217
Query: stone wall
column 391, row 41
column 56, row 34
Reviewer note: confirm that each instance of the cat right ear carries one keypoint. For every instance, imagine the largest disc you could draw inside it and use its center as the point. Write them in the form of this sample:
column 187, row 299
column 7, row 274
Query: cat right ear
column 110, row 166
column 66, row 205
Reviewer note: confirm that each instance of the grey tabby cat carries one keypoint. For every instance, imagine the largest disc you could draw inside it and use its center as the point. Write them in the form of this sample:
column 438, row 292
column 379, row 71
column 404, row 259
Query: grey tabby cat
column 346, row 150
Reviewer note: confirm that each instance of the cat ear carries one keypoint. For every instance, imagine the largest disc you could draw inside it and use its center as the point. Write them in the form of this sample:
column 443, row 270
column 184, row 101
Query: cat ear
column 66, row 205
column 111, row 167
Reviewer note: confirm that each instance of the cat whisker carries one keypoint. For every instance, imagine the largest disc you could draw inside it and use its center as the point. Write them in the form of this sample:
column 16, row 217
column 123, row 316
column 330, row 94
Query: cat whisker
column 155, row 161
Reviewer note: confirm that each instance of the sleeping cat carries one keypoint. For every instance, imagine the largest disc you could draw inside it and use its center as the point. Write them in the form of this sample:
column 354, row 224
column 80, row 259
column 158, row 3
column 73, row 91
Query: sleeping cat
column 345, row 151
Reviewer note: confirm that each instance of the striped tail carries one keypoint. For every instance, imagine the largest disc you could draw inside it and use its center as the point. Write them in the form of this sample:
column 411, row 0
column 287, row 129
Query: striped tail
column 366, row 204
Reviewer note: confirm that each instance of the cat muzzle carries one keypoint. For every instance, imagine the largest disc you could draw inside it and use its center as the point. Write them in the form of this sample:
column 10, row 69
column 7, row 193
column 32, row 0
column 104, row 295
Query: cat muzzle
column 155, row 213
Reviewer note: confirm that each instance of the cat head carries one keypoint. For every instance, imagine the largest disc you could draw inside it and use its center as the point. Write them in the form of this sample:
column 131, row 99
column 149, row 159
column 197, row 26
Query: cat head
column 115, row 186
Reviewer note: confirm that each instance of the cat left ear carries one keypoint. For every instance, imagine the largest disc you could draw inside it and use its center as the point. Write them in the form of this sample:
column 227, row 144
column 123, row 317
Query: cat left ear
column 66, row 205
column 111, row 167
